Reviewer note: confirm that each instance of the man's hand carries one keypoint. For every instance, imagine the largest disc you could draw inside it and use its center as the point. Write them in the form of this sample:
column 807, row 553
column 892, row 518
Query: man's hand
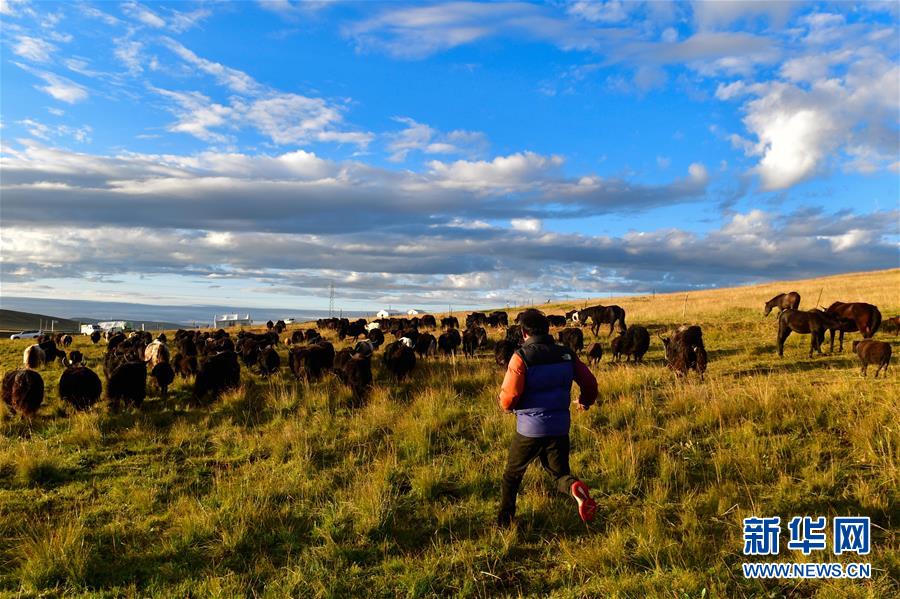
column 582, row 407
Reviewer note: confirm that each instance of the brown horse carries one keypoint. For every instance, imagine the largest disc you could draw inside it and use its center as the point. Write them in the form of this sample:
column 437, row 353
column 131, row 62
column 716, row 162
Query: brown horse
column 783, row 301
column 611, row 315
column 811, row 322
column 852, row 317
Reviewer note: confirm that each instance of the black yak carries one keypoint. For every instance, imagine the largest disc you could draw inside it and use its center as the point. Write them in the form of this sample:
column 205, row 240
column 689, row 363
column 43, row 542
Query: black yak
column 572, row 338
column 634, row 343
column 399, row 358
column 217, row 374
column 80, row 387
column 685, row 351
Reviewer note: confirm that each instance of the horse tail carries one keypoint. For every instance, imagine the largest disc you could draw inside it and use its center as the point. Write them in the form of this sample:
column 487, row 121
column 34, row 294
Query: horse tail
column 876, row 322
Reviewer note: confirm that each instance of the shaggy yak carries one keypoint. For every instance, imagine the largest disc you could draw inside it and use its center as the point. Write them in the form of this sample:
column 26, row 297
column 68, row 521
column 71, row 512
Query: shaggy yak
column 80, row 387
column 634, row 343
column 23, row 391
column 685, row 351
column 873, row 352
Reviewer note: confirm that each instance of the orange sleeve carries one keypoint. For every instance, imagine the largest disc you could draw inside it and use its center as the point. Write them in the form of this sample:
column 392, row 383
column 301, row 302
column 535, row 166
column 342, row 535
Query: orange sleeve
column 513, row 383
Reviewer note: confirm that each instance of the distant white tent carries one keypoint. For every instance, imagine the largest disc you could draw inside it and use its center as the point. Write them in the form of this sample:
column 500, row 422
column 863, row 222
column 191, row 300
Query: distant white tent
column 412, row 312
column 382, row 314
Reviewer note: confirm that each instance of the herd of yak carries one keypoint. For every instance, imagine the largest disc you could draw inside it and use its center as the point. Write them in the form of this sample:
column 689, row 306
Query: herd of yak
column 212, row 359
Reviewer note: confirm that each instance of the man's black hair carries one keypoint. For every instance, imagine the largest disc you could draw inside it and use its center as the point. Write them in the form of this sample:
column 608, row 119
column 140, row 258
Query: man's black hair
column 534, row 322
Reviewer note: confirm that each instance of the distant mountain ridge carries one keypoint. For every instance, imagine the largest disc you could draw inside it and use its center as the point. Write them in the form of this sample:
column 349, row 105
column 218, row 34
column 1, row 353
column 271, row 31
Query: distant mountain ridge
column 150, row 314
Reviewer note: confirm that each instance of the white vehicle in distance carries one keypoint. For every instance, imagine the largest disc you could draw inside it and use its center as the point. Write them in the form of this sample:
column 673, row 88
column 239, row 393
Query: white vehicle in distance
column 89, row 329
column 26, row 335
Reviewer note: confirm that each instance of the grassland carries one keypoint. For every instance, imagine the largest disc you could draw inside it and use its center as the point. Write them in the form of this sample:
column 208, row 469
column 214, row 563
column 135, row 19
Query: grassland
column 279, row 489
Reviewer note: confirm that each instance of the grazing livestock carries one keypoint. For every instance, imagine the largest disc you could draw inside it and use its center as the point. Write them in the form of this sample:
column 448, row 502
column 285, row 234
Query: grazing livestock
column 634, row 343
column 572, row 338
column 95, row 337
column 685, row 351
column 352, row 329
column 376, row 337
column 218, row 374
column 355, row 371
column 312, row 335
column 498, row 318
column 269, row 361
column 783, row 301
column 852, row 317
column 127, row 382
column 810, row 322
column 156, row 353
column 270, row 325
column 279, row 328
column 67, row 340
column 23, row 391
column 874, row 352
column 76, row 358
column 891, row 325
column 80, row 387
column 504, row 350
column 297, row 336
column 33, row 357
column 185, row 366
column 476, row 319
column 426, row 345
column 614, row 316
column 309, row 362
column 429, row 322
column 556, row 320
column 473, row 338
column 164, row 375
column 450, row 322
column 399, row 359
column 595, row 352
column 449, row 342
column 514, row 334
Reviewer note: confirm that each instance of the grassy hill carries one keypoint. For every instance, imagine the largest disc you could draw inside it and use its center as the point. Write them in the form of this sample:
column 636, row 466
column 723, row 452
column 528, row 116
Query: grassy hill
column 281, row 489
column 11, row 320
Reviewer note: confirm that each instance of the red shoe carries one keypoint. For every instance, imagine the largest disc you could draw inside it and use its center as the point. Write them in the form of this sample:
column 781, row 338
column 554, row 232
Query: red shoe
column 587, row 507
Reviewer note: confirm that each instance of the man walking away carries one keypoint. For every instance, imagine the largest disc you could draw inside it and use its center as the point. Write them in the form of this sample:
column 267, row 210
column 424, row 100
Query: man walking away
column 537, row 388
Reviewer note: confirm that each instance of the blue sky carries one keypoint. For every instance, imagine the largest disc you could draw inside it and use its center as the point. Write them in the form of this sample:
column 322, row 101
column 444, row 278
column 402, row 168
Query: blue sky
column 426, row 154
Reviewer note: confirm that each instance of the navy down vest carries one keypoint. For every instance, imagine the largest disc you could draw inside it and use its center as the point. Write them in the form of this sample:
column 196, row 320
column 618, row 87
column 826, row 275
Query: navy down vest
column 543, row 408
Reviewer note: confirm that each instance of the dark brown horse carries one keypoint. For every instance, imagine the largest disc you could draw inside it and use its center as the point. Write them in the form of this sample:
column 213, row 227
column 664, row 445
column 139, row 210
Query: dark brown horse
column 783, row 301
column 852, row 317
column 611, row 315
column 810, row 322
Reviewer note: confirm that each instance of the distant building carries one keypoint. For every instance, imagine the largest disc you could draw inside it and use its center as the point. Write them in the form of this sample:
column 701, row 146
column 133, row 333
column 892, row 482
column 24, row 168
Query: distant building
column 231, row 320
column 114, row 326
column 412, row 312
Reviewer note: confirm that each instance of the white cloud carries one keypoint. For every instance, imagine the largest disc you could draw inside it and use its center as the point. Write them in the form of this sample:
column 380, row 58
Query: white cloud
column 144, row 15
column 531, row 225
column 60, row 88
column 129, row 52
column 503, row 172
column 423, row 138
column 236, row 80
column 33, row 48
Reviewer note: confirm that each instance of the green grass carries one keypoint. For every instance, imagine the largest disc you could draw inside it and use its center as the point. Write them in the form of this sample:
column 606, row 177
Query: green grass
column 280, row 489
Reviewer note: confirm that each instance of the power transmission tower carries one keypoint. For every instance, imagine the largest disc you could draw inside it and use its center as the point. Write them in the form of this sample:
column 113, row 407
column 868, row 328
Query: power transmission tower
column 331, row 300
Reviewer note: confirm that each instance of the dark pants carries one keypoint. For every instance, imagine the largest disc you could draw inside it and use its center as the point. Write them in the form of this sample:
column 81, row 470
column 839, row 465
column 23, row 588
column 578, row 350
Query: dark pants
column 554, row 455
